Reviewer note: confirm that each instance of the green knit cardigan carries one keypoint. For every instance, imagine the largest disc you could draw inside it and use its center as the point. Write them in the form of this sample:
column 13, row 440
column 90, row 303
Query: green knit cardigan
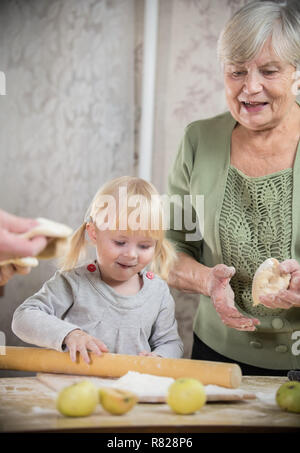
column 202, row 167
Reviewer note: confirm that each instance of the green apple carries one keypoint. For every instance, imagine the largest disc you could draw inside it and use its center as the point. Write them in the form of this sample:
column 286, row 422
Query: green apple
column 117, row 401
column 186, row 395
column 78, row 400
column 288, row 396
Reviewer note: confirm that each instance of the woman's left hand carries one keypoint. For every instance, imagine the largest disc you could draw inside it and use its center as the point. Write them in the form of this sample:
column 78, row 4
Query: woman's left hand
column 222, row 297
column 289, row 297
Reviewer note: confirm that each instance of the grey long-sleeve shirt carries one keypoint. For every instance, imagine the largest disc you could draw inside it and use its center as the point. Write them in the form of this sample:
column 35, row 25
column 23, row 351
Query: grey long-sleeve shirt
column 79, row 299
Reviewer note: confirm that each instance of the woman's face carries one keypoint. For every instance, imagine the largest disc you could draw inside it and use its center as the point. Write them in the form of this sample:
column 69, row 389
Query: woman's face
column 260, row 92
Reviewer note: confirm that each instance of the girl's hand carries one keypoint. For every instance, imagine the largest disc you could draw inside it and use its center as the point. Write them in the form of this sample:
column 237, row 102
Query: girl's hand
column 222, row 298
column 289, row 297
column 148, row 354
column 77, row 340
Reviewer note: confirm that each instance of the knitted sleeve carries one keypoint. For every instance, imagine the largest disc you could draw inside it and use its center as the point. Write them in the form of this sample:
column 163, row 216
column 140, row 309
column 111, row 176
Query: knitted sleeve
column 184, row 230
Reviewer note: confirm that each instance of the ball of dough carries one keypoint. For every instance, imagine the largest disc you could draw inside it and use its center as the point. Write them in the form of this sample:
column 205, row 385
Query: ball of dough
column 268, row 280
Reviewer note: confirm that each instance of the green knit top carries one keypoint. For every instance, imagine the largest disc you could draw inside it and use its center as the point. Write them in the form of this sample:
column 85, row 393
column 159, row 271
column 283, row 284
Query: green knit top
column 243, row 221
column 255, row 224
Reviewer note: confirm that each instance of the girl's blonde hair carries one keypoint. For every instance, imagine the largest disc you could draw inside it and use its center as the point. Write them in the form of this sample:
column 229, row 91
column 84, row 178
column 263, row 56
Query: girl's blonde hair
column 115, row 207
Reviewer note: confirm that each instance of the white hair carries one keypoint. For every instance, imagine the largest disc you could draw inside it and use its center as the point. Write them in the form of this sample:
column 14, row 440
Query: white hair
column 247, row 31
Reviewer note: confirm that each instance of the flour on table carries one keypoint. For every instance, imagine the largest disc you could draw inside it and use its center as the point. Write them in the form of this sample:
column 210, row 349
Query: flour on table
column 217, row 393
column 144, row 384
column 151, row 386
column 216, row 390
column 267, row 398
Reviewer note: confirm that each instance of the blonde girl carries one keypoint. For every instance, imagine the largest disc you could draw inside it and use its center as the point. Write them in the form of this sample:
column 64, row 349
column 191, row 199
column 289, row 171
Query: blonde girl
column 119, row 302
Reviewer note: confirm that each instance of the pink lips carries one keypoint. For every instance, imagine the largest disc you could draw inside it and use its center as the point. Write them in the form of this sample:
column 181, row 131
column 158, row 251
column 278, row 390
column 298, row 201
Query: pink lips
column 126, row 266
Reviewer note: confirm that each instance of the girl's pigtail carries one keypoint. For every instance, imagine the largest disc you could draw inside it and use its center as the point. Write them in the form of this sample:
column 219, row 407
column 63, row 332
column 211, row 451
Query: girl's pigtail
column 164, row 259
column 76, row 246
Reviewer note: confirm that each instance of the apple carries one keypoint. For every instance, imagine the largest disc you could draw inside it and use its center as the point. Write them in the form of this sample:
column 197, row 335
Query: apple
column 117, row 401
column 78, row 400
column 288, row 396
column 186, row 395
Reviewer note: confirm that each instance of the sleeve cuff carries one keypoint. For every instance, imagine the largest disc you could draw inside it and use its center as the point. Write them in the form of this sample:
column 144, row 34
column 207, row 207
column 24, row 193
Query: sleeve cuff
column 59, row 343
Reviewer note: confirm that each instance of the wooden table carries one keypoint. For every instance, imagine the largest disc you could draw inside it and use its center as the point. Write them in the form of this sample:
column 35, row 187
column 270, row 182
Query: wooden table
column 27, row 405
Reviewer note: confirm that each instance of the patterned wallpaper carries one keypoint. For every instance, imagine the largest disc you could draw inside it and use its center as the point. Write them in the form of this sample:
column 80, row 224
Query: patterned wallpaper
column 67, row 120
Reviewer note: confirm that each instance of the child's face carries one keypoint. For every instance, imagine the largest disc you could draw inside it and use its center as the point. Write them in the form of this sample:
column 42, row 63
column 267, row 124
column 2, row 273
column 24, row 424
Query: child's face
column 121, row 255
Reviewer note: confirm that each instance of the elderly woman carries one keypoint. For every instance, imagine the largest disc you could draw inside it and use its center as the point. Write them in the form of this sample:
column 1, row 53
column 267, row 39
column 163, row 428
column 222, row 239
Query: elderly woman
column 246, row 165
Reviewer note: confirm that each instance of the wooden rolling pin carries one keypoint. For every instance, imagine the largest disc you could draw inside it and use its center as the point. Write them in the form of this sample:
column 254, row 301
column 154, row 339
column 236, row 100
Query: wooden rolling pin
column 116, row 365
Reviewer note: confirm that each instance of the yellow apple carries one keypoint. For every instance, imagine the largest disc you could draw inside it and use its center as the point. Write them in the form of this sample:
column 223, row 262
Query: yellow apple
column 78, row 400
column 186, row 395
column 288, row 396
column 117, row 401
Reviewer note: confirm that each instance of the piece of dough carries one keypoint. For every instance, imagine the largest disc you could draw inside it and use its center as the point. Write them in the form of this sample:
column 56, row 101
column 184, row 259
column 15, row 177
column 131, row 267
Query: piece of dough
column 28, row 261
column 58, row 236
column 268, row 280
column 58, row 233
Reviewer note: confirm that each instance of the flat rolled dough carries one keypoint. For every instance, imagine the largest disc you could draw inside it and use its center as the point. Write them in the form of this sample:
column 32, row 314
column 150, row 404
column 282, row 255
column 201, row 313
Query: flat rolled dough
column 28, row 261
column 155, row 388
column 58, row 236
column 142, row 384
column 48, row 228
column 149, row 388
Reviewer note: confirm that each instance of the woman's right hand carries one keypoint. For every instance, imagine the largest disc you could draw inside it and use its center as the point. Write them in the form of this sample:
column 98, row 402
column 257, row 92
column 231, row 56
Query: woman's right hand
column 222, row 297
column 77, row 340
